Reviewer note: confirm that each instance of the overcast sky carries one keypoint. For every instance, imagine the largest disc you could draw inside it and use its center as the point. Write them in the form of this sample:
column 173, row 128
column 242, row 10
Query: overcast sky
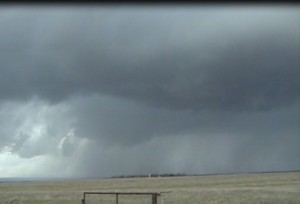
column 99, row 91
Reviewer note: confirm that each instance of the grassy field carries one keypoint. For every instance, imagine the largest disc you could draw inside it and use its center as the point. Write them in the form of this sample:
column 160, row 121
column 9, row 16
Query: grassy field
column 240, row 188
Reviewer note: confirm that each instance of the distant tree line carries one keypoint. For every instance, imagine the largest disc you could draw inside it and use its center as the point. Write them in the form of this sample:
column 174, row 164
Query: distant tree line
column 209, row 174
column 150, row 175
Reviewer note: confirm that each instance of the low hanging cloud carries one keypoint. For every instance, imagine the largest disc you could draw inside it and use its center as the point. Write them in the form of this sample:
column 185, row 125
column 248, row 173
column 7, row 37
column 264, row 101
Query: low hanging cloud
column 130, row 90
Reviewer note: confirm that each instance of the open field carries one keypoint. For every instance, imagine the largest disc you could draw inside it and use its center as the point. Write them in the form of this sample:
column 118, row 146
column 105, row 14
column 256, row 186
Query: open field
column 240, row 188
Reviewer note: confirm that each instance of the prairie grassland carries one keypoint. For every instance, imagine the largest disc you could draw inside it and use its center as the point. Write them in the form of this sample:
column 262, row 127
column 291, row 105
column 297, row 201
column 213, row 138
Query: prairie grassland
column 240, row 188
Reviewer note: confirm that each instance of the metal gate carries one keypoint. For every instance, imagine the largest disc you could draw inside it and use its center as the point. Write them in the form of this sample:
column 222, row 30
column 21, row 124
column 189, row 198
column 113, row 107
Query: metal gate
column 154, row 195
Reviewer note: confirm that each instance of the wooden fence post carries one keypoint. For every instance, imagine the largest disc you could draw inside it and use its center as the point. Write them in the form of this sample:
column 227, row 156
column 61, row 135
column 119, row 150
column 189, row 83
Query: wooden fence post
column 154, row 198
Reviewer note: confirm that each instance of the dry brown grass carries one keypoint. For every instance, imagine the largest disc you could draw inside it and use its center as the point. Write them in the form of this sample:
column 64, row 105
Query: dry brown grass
column 242, row 188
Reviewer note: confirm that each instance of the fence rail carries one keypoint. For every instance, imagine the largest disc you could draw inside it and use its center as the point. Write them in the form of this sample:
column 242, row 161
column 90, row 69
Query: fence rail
column 154, row 195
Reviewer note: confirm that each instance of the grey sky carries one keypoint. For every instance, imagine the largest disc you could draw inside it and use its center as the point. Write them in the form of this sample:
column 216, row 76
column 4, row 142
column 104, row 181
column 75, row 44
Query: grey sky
column 129, row 90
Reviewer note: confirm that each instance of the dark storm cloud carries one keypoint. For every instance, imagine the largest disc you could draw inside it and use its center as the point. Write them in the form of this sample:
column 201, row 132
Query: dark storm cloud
column 131, row 138
column 184, row 59
column 127, row 123
column 218, row 150
column 119, row 90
